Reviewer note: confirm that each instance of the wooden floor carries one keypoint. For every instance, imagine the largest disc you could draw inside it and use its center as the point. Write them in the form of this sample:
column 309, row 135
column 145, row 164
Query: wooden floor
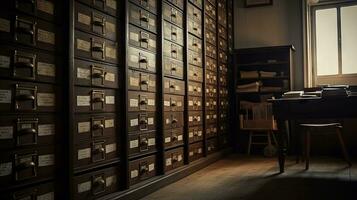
column 255, row 178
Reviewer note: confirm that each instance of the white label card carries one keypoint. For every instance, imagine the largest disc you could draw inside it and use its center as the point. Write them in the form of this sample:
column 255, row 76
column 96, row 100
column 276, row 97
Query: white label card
column 179, row 138
column 168, row 139
column 45, row 36
column 46, row 129
column 109, row 100
column 6, row 132
column 46, row 160
column 84, row 19
column 46, row 69
column 45, row 6
column 110, row 180
column 83, row 100
column 5, row 96
column 166, row 103
column 4, row 62
column 110, row 148
column 45, row 99
column 109, row 77
column 133, row 103
column 134, row 144
column 168, row 161
column 4, row 25
column 5, row 169
column 83, row 127
column 150, row 121
column 83, row 187
column 83, row 73
column 151, row 167
column 151, row 102
column 151, row 142
column 134, row 122
column 83, row 45
column 109, row 123
column 84, row 153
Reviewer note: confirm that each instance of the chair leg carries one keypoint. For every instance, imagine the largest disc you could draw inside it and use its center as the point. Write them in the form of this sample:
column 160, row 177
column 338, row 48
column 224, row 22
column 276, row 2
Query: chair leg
column 249, row 142
column 307, row 149
column 343, row 146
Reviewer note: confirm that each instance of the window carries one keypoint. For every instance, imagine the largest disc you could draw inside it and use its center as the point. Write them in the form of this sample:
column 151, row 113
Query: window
column 334, row 43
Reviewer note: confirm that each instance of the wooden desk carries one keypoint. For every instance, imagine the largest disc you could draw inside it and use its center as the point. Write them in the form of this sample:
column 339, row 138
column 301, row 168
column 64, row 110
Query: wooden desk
column 309, row 108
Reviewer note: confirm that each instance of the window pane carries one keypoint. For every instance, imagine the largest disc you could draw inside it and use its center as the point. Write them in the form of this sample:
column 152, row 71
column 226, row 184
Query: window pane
column 349, row 39
column 326, row 42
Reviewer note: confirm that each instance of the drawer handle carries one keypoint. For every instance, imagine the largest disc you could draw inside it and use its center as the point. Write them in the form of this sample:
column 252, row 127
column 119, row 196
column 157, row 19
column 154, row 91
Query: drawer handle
column 174, row 159
column 144, row 142
column 24, row 65
column 172, row 86
column 173, row 33
column 98, row 126
column 195, row 14
column 195, row 59
column 99, row 49
column 195, row 74
column 144, row 40
column 195, row 28
column 25, row 165
column 27, row 131
column 144, row 169
column 173, row 104
column 173, row 69
column 144, row 82
column 98, row 23
column 143, row 60
column 174, row 121
column 143, row 121
column 195, row 104
column 195, row 133
column 195, row 44
column 25, row 97
column 25, row 30
column 195, row 119
column 98, row 99
column 173, row 15
column 99, row 182
column 174, row 51
column 174, row 138
column 98, row 75
column 99, row 150
column 143, row 102
column 195, row 89
column 144, row 19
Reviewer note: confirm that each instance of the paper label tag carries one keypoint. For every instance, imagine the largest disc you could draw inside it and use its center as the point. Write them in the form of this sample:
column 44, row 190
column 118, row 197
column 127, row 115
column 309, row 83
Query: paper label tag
column 5, row 96
column 190, row 134
column 167, row 139
column 110, row 148
column 134, row 144
column 83, row 187
column 112, row 4
column 190, row 118
column 151, row 102
column 133, row 103
column 4, row 62
column 83, row 73
column 46, row 160
column 83, row 100
column 109, row 77
column 151, row 142
column 179, row 157
column 199, row 150
column 166, row 103
column 151, row 167
column 150, row 121
column 5, row 169
column 84, row 153
column 45, row 36
column 191, row 153
column 109, row 123
column 46, row 129
column 84, row 19
column 111, row 180
column 190, row 103
column 83, row 127
column 179, row 138
column 6, row 132
column 168, row 161
column 83, row 45
column 45, row 99
column 47, row 196
column 4, row 25
column 134, row 81
column 109, row 100
column 111, row 52
column 46, row 69
column 45, row 6
column 134, row 173
column 134, row 122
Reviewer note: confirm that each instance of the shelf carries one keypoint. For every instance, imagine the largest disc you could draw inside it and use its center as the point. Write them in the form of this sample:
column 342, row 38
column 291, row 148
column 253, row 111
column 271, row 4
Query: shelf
column 264, row 64
column 260, row 92
column 264, row 78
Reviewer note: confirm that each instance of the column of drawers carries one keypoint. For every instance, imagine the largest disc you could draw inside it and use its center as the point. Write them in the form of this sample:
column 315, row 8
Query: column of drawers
column 96, row 98
column 211, row 105
column 173, row 83
column 195, row 77
column 30, row 98
column 142, row 98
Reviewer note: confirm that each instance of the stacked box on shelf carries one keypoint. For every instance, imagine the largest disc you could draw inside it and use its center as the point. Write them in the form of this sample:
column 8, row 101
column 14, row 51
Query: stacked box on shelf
column 94, row 136
column 30, row 98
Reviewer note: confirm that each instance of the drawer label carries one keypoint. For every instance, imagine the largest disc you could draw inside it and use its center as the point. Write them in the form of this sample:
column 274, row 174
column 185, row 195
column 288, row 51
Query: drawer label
column 199, row 150
column 112, row 4
column 134, row 36
column 110, row 27
column 4, row 25
column 45, row 6
column 5, row 96
column 168, row 139
column 152, row 43
column 150, row 121
column 151, row 102
column 179, row 157
column 190, row 118
column 47, row 196
column 111, row 52
column 46, row 160
column 46, row 69
column 134, row 144
column 46, row 129
column 109, row 100
column 109, row 77
column 166, row 103
column 134, row 122
column 5, row 169
column 179, row 138
column 83, row 45
column 83, row 73
column 168, row 161
column 134, row 103
column 190, row 103
column 111, row 180
column 109, row 123
column 109, row 148
column 152, row 83
column 45, row 99
column 151, row 142
column 45, row 36
column 83, row 100
column 190, row 134
column 134, row 173
column 6, row 132
column 4, row 62
column 191, row 153
column 83, row 153
column 83, row 187
column 84, row 19
column 83, row 127
column 151, row 167
column 134, row 81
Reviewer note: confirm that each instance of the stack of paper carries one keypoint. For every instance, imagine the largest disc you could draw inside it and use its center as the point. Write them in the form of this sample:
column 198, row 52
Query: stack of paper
column 250, row 87
column 293, row 94
column 249, row 74
column 267, row 74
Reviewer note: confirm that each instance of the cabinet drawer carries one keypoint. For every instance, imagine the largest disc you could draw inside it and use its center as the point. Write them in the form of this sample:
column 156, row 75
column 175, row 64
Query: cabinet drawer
column 94, row 100
column 223, row 78
column 223, row 128
column 18, row 131
column 222, row 32
column 222, row 57
column 173, row 33
column 40, row 191
column 26, row 166
column 141, row 121
column 96, row 48
column 194, row 28
column 142, row 18
column 223, row 92
column 210, row 24
column 177, row 3
column 213, row 2
column 141, row 143
column 195, row 134
column 211, row 117
column 99, row 126
column 91, row 153
column 223, row 115
column 222, row 12
column 194, row 13
column 142, row 39
column 211, row 37
column 142, row 169
column 94, row 22
column 194, row 44
column 210, row 10
column 173, row 137
column 107, row 6
column 28, row 97
column 95, row 74
column 173, row 120
column 18, row 63
column 211, row 78
column 142, row 60
column 211, row 51
column 141, row 81
column 197, row 3
column 211, row 103
column 195, row 73
column 211, row 64
column 194, row 89
column 173, row 103
column 173, row 68
column 150, row 5
column 194, row 103
column 194, row 58
column 172, row 15
column 174, row 159
column 95, row 184
column 141, row 101
column 195, row 151
column 173, row 50
column 211, row 130
column 223, row 68
column 195, row 118
column 224, row 103
column 212, row 145
column 172, row 86
column 222, row 44
column 211, row 91
column 28, row 31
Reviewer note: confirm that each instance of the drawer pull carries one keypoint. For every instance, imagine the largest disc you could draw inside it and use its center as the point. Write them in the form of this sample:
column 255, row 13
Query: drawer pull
column 98, row 99
column 25, row 97
column 195, row 14
column 98, row 75
column 98, row 49
column 144, row 82
column 24, row 65
column 174, row 159
column 195, row 74
column 172, row 86
column 195, row 119
column 25, row 30
column 195, row 28
column 173, row 104
column 99, row 150
column 195, row 104
column 195, row 59
column 143, row 60
column 173, row 15
column 174, row 121
column 144, row 169
column 27, row 131
column 144, row 40
column 143, row 121
column 195, row 44
column 144, row 142
column 195, row 89
column 98, row 182
column 174, row 138
column 173, row 69
column 195, row 133
column 143, row 102
column 144, row 19
column 98, row 126
column 174, row 51
column 173, row 33
column 25, row 165
column 98, row 23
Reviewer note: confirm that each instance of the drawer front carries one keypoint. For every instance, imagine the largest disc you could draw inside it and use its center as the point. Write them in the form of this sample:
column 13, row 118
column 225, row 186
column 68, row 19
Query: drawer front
column 173, row 68
column 91, row 153
column 141, row 81
column 194, row 58
column 211, row 51
column 141, row 101
column 222, row 13
column 26, row 166
column 195, row 73
column 211, row 103
column 222, row 32
column 223, row 78
column 173, row 103
column 173, row 137
column 94, row 22
column 194, row 28
column 142, row 169
column 173, row 120
column 96, row 48
column 223, row 127
column 90, row 127
column 195, row 118
column 210, row 10
column 194, row 44
column 194, row 13
column 142, row 39
column 173, row 50
column 195, row 134
column 211, row 117
column 213, row 2
column 211, row 77
column 96, row 75
column 19, row 131
column 197, row 3
column 142, row 18
column 143, row 60
column 222, row 44
column 172, row 15
column 211, row 37
column 195, row 151
column 223, row 92
column 95, row 184
column 211, row 130
column 141, row 143
column 94, row 100
column 224, row 103
column 28, row 97
column 107, row 6
column 212, row 145
column 40, row 191
column 173, row 33
column 210, row 24
column 177, row 3
column 172, row 86
column 138, row 121
column 194, row 103
column 17, row 63
column 174, row 159
column 211, row 64
column 147, row 4
column 223, row 115
column 28, row 31
column 194, row 89
column 211, row 91
column 223, row 68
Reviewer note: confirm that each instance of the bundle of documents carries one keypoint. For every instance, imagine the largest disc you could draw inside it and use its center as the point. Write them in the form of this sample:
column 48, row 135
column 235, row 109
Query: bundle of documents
column 249, row 74
column 267, row 74
column 334, row 92
column 293, row 94
column 250, row 87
